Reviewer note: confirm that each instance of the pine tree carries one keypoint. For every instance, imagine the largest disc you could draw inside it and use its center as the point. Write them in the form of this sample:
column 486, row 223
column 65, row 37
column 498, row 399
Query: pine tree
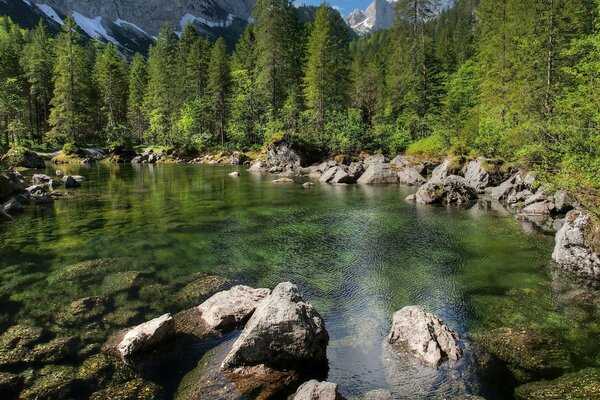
column 218, row 85
column 110, row 75
column 162, row 97
column 326, row 72
column 37, row 62
column 70, row 117
column 138, row 82
column 278, row 59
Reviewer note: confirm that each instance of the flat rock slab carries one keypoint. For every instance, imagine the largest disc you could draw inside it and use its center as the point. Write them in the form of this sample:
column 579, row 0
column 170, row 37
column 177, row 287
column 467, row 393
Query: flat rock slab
column 146, row 336
column 424, row 335
column 231, row 308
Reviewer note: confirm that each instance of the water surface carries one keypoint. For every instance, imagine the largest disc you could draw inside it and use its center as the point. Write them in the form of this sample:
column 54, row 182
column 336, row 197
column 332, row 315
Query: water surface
column 357, row 253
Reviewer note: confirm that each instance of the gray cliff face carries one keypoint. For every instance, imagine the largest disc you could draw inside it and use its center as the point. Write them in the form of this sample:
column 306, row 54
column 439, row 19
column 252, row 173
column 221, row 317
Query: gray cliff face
column 150, row 14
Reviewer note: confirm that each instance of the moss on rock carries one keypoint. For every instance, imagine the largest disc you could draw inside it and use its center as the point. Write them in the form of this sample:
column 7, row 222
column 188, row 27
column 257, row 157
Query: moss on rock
column 581, row 385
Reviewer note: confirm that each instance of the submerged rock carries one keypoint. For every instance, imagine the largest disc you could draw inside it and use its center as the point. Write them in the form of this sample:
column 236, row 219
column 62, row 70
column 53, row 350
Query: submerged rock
column 315, row 390
column 528, row 354
column 231, row 308
column 52, row 382
column 137, row 389
column 285, row 330
column 283, row 181
column 578, row 244
column 424, row 335
column 378, row 174
column 198, row 289
column 10, row 385
column 581, row 385
column 146, row 336
column 84, row 310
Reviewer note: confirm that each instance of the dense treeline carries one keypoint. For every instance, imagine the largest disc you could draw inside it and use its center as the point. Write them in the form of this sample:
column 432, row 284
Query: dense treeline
column 507, row 79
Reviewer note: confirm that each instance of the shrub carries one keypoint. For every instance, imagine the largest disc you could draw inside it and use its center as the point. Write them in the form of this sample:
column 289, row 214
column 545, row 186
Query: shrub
column 70, row 149
column 431, row 145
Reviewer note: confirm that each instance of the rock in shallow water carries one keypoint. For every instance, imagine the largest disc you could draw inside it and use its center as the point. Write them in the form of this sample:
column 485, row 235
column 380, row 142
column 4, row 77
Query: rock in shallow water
column 528, row 354
column 231, row 308
column 315, row 390
column 424, row 335
column 577, row 245
column 285, row 330
column 146, row 335
column 378, row 174
column 581, row 385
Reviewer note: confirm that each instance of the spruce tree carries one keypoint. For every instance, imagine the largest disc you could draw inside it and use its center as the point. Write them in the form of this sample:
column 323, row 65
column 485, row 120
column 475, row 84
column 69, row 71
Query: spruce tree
column 70, row 117
column 327, row 66
column 37, row 62
column 162, row 97
column 110, row 76
column 138, row 82
column 218, row 86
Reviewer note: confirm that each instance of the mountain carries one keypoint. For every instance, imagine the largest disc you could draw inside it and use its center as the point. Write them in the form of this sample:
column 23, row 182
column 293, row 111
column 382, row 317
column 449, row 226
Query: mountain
column 134, row 24
column 379, row 15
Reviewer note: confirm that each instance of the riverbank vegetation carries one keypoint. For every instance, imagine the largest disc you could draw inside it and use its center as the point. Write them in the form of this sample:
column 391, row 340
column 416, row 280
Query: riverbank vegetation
column 501, row 79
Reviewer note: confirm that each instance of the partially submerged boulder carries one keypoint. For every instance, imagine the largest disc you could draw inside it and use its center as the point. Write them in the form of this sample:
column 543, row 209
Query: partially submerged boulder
column 378, row 174
column 528, row 354
column 315, row 390
column 146, row 336
column 458, row 191
column 410, row 176
column 285, row 331
column 230, row 309
column 429, row 193
column 578, row 244
column 424, row 335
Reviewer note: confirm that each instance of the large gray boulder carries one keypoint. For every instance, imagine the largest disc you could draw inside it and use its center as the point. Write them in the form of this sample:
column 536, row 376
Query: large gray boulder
column 424, row 335
column 12, row 205
column 343, row 176
column 315, row 390
column 231, row 308
column 285, row 331
column 410, row 176
column 40, row 179
column 429, row 193
column 441, row 172
column 457, row 190
column 282, row 152
column 378, row 174
column 257, row 166
column 329, row 174
column 146, row 336
column 577, row 245
column 476, row 175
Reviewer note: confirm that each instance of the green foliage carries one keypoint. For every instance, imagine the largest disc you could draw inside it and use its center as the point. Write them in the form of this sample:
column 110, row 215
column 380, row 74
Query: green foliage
column 70, row 149
column 431, row 145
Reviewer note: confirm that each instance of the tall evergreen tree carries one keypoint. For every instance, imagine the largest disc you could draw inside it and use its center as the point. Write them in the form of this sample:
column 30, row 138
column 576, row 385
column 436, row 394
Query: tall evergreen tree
column 138, row 82
column 37, row 62
column 70, row 117
column 162, row 96
column 110, row 75
column 218, row 85
column 278, row 59
column 326, row 72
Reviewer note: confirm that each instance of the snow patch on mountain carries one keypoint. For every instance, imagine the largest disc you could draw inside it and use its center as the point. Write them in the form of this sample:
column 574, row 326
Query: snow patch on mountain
column 49, row 11
column 191, row 19
column 126, row 24
column 93, row 27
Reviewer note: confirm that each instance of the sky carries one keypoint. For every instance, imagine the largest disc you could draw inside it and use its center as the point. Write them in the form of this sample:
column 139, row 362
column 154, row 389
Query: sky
column 344, row 6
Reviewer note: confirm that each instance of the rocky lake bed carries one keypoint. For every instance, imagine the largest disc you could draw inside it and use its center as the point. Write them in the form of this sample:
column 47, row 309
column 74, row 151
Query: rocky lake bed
column 373, row 278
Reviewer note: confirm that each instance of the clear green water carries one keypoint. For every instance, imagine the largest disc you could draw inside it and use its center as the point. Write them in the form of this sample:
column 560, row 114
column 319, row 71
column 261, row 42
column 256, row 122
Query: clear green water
column 357, row 253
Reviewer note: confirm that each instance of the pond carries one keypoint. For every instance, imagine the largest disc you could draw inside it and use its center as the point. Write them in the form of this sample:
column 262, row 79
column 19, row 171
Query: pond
column 357, row 254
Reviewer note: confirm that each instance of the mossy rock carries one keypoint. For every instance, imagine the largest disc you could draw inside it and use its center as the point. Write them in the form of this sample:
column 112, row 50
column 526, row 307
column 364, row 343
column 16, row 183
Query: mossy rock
column 22, row 157
column 96, row 371
column 56, row 350
column 10, row 385
column 136, row 389
column 84, row 310
column 581, row 385
column 528, row 354
column 124, row 281
column 20, row 336
column 52, row 382
column 198, row 290
column 88, row 272
column 122, row 317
